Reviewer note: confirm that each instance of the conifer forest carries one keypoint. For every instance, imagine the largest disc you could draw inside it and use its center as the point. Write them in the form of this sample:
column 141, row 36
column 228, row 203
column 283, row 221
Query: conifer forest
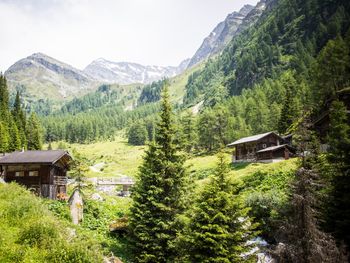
column 241, row 153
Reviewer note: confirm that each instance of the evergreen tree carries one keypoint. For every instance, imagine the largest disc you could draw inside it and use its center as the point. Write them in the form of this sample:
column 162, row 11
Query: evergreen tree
column 189, row 131
column 49, row 147
column 305, row 242
column 332, row 68
column 137, row 134
column 339, row 158
column 4, row 99
column 158, row 194
column 4, row 138
column 34, row 133
column 219, row 226
column 286, row 118
column 15, row 140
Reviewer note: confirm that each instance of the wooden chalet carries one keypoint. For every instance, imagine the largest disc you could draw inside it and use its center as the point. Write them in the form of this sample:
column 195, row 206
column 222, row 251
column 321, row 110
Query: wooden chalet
column 266, row 147
column 44, row 172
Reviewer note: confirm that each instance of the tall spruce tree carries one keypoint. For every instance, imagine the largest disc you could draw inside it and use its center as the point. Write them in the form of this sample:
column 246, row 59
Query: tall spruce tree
column 339, row 158
column 34, row 135
column 158, row 194
column 219, row 225
column 20, row 119
column 4, row 138
column 15, row 140
column 189, row 131
column 4, row 99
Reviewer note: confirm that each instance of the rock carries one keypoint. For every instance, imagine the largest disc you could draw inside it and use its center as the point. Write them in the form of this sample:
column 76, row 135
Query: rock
column 111, row 259
column 76, row 207
column 96, row 197
column 220, row 36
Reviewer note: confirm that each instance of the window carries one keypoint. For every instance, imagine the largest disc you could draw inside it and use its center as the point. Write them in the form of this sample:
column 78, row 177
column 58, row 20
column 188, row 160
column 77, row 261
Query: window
column 19, row 174
column 264, row 145
column 33, row 173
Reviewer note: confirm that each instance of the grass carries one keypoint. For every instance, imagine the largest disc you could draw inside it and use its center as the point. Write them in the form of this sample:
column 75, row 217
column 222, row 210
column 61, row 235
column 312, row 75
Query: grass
column 29, row 232
column 238, row 171
column 118, row 157
column 178, row 83
column 115, row 158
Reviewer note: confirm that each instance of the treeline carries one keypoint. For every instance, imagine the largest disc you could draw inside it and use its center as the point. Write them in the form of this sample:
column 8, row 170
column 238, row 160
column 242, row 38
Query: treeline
column 103, row 96
column 287, row 36
column 96, row 124
column 16, row 130
column 166, row 225
column 303, row 214
column 151, row 92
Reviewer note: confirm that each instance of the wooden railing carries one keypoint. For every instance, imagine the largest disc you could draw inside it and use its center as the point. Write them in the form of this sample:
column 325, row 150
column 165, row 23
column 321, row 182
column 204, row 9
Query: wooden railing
column 60, row 180
column 115, row 181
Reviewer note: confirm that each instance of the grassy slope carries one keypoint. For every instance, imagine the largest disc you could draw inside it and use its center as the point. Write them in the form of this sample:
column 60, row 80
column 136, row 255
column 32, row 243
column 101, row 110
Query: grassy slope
column 178, row 83
column 120, row 158
column 29, row 232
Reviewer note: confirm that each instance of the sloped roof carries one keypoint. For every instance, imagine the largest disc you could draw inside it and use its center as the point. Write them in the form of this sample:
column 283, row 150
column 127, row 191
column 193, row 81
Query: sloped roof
column 44, row 157
column 273, row 148
column 251, row 138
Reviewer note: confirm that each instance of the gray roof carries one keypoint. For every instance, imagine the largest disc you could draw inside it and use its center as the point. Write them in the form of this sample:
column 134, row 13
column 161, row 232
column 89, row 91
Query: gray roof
column 251, row 138
column 273, row 148
column 44, row 157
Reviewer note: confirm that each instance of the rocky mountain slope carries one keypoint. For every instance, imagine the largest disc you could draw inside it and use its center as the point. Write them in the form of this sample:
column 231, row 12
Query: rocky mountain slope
column 126, row 73
column 41, row 76
column 223, row 33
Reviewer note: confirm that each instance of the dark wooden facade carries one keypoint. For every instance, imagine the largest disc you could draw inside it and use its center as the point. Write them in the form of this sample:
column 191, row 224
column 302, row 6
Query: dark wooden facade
column 271, row 145
column 283, row 151
column 43, row 172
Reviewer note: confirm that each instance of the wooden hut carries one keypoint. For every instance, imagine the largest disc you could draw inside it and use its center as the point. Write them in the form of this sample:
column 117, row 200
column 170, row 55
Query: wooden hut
column 261, row 147
column 44, row 172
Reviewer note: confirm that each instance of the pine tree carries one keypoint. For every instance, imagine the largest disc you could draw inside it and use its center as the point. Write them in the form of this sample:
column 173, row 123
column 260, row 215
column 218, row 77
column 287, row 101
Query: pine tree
column 219, row 225
column 19, row 117
column 4, row 138
column 301, row 233
column 158, row 194
column 34, row 133
column 339, row 158
column 4, row 99
column 189, row 131
column 331, row 72
column 304, row 241
column 137, row 134
column 15, row 140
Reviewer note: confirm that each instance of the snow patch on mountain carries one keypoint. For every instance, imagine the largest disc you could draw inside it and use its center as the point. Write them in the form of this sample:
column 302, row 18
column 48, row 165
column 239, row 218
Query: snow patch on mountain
column 108, row 71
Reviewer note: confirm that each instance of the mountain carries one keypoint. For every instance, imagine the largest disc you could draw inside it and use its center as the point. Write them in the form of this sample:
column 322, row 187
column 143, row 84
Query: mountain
column 221, row 35
column 126, row 72
column 42, row 76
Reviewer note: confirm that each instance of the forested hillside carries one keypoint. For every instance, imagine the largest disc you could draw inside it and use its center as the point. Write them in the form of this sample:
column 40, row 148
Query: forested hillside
column 17, row 131
column 289, row 73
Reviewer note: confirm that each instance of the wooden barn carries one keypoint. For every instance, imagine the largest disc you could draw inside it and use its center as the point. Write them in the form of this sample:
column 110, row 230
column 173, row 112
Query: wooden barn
column 266, row 147
column 44, row 172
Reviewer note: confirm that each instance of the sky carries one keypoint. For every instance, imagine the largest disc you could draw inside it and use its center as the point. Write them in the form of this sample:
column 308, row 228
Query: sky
column 149, row 32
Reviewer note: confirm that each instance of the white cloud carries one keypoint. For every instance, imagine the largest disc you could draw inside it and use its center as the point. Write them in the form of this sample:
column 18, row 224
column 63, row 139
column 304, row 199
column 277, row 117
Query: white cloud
column 158, row 32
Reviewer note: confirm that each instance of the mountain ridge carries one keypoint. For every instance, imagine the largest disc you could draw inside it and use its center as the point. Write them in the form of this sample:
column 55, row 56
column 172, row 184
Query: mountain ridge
column 222, row 34
column 123, row 72
column 53, row 78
